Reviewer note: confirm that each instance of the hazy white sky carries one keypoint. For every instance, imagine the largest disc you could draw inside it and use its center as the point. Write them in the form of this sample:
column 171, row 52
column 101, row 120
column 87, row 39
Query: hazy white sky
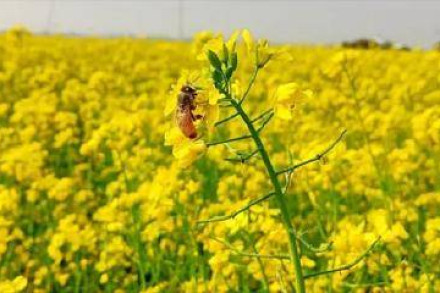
column 314, row 21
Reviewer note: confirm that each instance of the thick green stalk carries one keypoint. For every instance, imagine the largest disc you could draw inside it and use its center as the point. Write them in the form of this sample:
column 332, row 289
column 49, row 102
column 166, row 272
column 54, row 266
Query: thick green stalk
column 294, row 254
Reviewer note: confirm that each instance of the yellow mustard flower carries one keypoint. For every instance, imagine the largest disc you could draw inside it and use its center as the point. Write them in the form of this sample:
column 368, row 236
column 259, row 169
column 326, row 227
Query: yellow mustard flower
column 287, row 97
column 15, row 286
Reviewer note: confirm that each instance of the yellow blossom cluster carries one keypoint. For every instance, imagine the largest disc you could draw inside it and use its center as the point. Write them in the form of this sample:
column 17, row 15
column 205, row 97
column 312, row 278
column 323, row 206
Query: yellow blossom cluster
column 93, row 198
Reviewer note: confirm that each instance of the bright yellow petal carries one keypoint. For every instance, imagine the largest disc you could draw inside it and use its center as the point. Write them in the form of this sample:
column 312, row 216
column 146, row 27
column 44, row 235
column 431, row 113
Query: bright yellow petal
column 237, row 89
column 233, row 40
column 308, row 94
column 286, row 92
column 248, row 39
column 182, row 150
column 213, row 97
column 170, row 105
column 215, row 45
column 212, row 115
column 283, row 112
column 188, row 152
column 174, row 136
column 20, row 283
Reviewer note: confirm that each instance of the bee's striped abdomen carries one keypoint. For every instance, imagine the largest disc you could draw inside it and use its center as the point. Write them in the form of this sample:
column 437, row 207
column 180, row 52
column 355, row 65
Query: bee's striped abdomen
column 185, row 123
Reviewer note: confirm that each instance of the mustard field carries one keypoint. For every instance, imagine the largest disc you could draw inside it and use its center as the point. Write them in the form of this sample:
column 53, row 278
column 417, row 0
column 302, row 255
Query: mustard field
column 311, row 169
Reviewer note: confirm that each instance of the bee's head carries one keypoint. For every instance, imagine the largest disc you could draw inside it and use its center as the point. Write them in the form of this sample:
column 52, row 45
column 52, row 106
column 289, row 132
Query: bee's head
column 187, row 89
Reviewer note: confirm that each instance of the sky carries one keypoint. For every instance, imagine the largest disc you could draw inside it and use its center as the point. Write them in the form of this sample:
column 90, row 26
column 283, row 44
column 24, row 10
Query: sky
column 415, row 23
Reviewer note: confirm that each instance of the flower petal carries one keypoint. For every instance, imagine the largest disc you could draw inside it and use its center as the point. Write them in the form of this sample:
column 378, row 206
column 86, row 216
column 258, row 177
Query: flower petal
column 283, row 112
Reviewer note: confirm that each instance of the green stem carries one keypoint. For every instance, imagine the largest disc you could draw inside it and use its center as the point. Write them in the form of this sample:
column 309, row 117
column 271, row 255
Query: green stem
column 260, row 263
column 315, row 158
column 242, row 158
column 218, row 123
column 265, row 122
column 228, row 140
column 347, row 266
column 294, row 254
column 251, row 83
column 255, row 254
column 236, row 213
column 262, row 115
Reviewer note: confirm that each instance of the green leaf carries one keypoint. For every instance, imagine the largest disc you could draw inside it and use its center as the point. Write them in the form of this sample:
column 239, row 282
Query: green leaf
column 217, row 76
column 229, row 73
column 234, row 61
column 225, row 54
column 214, row 60
column 218, row 86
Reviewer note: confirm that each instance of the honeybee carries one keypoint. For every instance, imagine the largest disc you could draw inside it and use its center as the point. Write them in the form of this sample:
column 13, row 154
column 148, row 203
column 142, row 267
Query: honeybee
column 184, row 113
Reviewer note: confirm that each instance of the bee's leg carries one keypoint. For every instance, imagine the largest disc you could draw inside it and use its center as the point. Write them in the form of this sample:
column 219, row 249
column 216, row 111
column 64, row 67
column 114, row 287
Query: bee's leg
column 196, row 117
